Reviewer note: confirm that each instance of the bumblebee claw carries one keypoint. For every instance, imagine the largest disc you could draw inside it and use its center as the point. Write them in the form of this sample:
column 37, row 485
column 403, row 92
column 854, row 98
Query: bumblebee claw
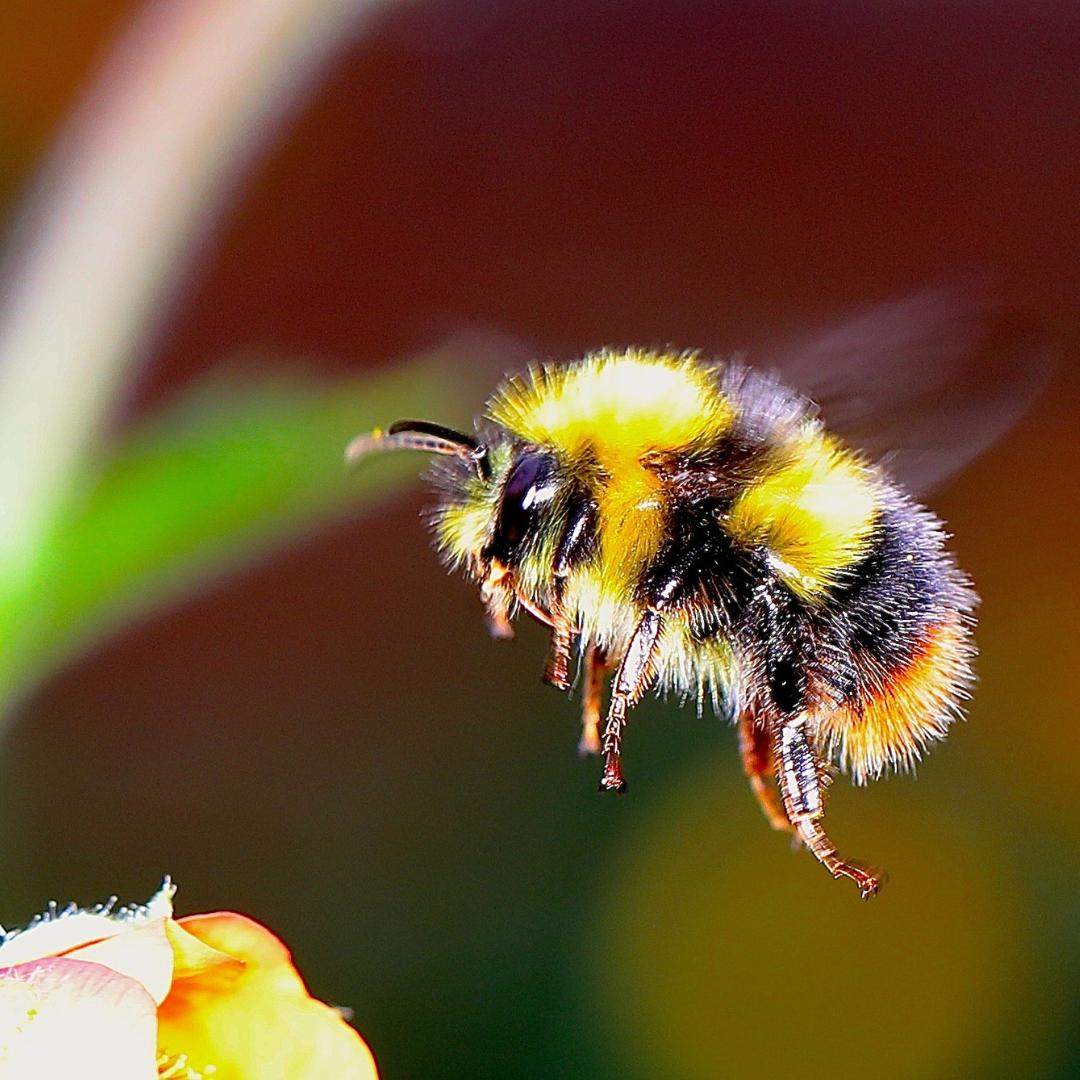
column 877, row 880
column 612, row 778
column 867, row 881
column 556, row 677
column 587, row 748
column 500, row 628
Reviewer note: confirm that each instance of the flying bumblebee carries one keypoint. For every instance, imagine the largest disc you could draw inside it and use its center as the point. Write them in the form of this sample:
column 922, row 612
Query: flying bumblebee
column 743, row 535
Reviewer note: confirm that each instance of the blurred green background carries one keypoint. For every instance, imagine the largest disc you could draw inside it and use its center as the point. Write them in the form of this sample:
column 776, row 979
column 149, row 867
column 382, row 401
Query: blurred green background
column 322, row 735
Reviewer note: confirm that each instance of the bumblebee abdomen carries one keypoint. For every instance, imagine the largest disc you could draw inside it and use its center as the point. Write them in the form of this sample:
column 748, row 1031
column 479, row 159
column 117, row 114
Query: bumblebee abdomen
column 908, row 705
column 897, row 646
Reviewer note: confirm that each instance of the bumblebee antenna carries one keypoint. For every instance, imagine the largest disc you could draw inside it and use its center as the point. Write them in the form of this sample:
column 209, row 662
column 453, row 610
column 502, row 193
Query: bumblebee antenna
column 420, row 435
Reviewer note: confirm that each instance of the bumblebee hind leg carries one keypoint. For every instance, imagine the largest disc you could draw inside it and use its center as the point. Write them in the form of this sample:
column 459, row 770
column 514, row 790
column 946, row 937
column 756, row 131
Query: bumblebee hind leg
column 802, row 784
column 596, row 668
column 756, row 748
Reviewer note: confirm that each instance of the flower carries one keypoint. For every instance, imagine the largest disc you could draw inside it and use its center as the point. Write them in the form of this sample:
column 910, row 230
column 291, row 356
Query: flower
column 134, row 994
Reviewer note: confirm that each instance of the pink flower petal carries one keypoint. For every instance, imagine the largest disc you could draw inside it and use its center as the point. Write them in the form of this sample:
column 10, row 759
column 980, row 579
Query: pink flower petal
column 66, row 1018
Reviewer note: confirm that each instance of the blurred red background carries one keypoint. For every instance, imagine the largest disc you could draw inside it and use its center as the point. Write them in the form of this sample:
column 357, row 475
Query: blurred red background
column 331, row 742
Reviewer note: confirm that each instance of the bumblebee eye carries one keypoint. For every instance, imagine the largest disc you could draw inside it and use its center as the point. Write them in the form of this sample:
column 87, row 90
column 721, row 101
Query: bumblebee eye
column 532, row 483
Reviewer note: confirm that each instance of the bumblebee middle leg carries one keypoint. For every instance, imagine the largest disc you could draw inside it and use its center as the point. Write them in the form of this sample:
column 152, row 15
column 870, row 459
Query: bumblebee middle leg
column 802, row 784
column 636, row 673
column 758, row 757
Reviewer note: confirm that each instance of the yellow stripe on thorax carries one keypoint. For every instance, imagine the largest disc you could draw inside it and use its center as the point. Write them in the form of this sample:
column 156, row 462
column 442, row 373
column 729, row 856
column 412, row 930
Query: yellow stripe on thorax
column 815, row 513
column 624, row 402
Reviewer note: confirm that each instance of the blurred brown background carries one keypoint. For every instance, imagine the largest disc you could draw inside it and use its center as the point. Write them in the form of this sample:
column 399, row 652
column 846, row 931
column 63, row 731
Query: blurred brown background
column 331, row 743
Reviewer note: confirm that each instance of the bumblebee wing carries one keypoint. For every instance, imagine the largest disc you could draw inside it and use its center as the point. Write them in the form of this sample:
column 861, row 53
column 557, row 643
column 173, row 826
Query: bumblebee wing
column 923, row 384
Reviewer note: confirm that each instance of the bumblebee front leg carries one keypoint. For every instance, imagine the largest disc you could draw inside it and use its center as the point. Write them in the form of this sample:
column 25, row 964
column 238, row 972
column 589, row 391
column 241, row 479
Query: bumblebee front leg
column 575, row 544
column 557, row 669
column 496, row 594
column 802, row 784
column 756, row 748
column 636, row 673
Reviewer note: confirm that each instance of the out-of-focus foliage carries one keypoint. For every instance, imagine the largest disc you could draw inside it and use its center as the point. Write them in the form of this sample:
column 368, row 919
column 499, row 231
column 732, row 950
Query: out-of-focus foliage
column 238, row 464
column 182, row 101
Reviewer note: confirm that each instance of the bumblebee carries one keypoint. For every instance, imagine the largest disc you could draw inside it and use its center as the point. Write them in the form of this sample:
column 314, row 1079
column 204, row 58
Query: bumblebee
column 697, row 527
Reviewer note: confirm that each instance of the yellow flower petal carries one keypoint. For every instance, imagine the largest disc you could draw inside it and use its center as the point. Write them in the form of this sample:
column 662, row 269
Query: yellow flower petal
column 192, row 957
column 259, row 1023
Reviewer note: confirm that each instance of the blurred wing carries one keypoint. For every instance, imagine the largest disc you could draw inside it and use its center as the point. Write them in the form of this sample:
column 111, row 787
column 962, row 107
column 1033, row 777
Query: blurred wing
column 923, row 384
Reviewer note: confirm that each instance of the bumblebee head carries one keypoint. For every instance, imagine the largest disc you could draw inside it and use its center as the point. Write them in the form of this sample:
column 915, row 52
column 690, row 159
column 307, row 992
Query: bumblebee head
column 502, row 509
column 522, row 511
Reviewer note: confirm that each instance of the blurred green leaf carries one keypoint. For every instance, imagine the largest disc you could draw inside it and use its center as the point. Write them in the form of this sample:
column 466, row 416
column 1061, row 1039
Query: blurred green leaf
column 238, row 466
